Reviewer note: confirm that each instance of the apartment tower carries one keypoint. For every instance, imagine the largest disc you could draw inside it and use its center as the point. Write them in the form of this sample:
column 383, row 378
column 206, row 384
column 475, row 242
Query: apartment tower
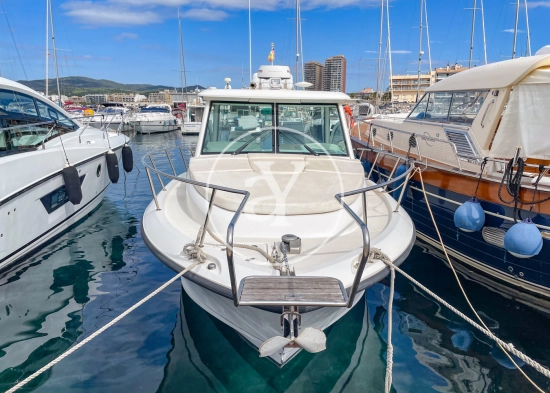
column 313, row 73
column 334, row 75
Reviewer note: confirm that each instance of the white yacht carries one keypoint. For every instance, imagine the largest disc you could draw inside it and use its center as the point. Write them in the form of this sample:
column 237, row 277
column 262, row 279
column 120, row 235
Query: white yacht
column 54, row 169
column 113, row 115
column 154, row 118
column 288, row 230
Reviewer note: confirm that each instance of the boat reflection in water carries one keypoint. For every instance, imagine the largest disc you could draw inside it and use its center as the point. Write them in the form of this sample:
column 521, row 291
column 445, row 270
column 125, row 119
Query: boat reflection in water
column 71, row 270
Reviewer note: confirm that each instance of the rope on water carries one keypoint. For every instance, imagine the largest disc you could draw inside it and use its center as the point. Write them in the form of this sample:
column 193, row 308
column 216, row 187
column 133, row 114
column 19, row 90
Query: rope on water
column 507, row 348
column 100, row 330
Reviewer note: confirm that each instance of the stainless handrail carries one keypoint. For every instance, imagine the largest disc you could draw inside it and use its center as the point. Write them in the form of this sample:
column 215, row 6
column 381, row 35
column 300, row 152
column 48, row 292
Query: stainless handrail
column 214, row 188
column 246, row 194
column 363, row 225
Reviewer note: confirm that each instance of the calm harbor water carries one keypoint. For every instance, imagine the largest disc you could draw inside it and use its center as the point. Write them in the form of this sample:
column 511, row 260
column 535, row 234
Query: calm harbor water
column 86, row 277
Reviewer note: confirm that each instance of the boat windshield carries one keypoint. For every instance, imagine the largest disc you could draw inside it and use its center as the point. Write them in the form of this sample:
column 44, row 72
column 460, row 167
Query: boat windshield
column 26, row 121
column 234, row 127
column 155, row 109
column 449, row 107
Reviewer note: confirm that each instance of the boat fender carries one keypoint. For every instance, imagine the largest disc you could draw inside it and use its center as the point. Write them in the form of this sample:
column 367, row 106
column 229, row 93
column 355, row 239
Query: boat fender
column 112, row 166
column 523, row 240
column 395, row 194
column 127, row 158
column 469, row 217
column 366, row 166
column 72, row 184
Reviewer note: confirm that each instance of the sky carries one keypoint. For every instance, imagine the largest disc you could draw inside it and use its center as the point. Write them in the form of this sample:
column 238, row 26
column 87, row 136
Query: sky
column 137, row 41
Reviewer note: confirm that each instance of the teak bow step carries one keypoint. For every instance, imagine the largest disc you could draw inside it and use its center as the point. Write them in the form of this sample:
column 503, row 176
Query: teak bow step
column 292, row 291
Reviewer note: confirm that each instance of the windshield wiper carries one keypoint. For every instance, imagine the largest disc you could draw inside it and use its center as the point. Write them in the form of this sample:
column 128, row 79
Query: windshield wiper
column 295, row 138
column 240, row 149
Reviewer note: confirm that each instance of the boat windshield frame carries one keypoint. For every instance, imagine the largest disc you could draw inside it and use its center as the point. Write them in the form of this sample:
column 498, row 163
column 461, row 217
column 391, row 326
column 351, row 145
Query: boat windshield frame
column 269, row 130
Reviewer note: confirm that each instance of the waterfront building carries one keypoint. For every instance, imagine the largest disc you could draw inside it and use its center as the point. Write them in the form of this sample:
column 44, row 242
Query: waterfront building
column 313, row 73
column 94, row 99
column 164, row 97
column 334, row 75
column 445, row 72
column 405, row 87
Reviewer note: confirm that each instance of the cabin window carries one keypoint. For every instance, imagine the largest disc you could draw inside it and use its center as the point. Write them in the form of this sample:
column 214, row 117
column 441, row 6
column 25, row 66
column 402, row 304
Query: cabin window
column 232, row 125
column 309, row 129
column 48, row 112
column 449, row 107
column 16, row 106
column 466, row 105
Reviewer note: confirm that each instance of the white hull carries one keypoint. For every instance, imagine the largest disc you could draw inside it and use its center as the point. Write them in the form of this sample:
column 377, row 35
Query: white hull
column 26, row 222
column 257, row 325
column 154, row 127
column 191, row 128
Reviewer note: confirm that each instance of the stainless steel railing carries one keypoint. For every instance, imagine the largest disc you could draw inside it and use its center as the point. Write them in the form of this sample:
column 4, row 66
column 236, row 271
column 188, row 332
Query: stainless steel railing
column 150, row 167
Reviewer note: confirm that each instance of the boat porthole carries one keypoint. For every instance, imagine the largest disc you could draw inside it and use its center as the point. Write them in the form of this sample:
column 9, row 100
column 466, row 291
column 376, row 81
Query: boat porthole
column 521, row 274
column 510, row 269
column 98, row 172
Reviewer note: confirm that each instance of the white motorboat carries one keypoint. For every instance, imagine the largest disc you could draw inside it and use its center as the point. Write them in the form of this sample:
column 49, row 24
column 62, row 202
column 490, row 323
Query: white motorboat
column 192, row 119
column 275, row 211
column 154, row 119
column 113, row 115
column 54, row 169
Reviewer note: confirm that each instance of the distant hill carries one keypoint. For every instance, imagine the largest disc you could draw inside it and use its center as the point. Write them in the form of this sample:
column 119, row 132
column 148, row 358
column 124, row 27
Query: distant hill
column 80, row 85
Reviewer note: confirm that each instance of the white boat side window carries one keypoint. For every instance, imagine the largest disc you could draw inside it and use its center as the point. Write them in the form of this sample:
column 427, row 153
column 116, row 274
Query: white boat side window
column 310, row 127
column 239, row 127
column 420, row 109
column 48, row 112
column 466, row 105
column 16, row 106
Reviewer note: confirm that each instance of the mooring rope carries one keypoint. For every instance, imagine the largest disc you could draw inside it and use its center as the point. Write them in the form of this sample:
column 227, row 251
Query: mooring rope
column 507, row 348
column 100, row 330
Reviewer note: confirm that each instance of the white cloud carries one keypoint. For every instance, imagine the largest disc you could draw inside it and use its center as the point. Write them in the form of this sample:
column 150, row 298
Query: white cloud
column 205, row 14
column 143, row 12
column 97, row 14
column 126, row 36
column 400, row 52
column 535, row 4
column 512, row 30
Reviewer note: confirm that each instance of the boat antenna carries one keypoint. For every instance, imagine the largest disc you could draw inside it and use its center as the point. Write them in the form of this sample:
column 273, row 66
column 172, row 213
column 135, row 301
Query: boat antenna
column 182, row 62
column 420, row 53
column 428, row 36
column 47, row 44
column 527, row 30
column 379, row 53
column 483, row 31
column 515, row 30
column 472, row 34
column 389, row 49
column 13, row 39
column 55, row 57
column 250, row 39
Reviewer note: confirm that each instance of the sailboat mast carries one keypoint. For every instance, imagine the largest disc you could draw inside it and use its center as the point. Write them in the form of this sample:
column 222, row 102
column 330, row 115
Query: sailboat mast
column 55, row 57
column 250, row 39
column 428, row 36
column 389, row 48
column 182, row 63
column 483, row 31
column 472, row 34
column 515, row 30
column 47, row 43
column 301, row 39
column 379, row 51
column 420, row 53
column 297, row 39
column 527, row 30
